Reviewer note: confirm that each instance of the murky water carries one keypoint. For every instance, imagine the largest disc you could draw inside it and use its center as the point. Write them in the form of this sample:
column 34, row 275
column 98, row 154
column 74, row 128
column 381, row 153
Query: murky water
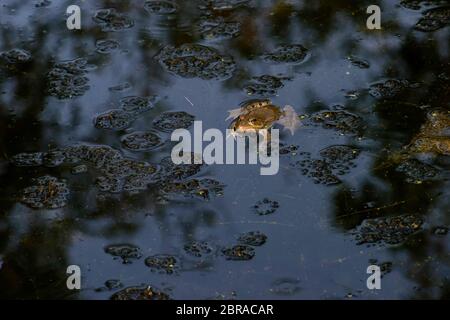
column 85, row 123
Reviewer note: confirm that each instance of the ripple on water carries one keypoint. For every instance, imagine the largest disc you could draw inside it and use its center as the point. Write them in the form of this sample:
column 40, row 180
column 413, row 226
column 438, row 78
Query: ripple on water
column 111, row 20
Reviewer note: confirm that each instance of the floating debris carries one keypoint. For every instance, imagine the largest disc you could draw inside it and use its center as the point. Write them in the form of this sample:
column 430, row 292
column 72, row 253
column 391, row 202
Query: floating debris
column 239, row 252
column 294, row 53
column 252, row 238
column 106, row 46
column 111, row 20
column 141, row 141
column 126, row 252
column 163, row 263
column 196, row 61
column 199, row 249
column 266, row 206
column 67, row 79
column 47, row 193
column 390, row 230
column 169, row 121
column 434, row 19
column 140, row 293
column 265, row 85
column 160, row 7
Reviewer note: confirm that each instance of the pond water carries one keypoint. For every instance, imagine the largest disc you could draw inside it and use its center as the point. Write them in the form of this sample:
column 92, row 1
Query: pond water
column 85, row 171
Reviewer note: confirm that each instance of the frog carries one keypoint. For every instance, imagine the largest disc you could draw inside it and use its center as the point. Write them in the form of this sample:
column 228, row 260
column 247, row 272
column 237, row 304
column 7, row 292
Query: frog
column 260, row 115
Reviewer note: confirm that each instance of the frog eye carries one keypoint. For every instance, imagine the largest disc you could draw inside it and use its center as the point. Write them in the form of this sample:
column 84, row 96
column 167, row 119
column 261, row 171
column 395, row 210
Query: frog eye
column 253, row 121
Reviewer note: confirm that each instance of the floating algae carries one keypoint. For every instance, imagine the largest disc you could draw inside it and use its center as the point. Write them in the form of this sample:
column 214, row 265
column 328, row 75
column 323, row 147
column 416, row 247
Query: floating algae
column 199, row 249
column 266, row 206
column 126, row 252
column 218, row 28
column 68, row 79
column 293, row 53
column 390, row 230
column 46, row 193
column 169, row 121
column 265, row 85
column 106, row 46
column 239, row 252
column 163, row 263
column 340, row 120
column 252, row 238
column 196, row 61
column 160, row 7
column 141, row 141
column 140, row 293
column 389, row 88
column 434, row 19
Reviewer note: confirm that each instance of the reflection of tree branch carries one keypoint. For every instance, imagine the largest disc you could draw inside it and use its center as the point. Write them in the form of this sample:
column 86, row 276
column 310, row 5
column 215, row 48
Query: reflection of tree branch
column 395, row 204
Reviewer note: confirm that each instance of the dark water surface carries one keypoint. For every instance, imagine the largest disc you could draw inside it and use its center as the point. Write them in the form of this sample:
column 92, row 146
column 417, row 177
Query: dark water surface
column 84, row 134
